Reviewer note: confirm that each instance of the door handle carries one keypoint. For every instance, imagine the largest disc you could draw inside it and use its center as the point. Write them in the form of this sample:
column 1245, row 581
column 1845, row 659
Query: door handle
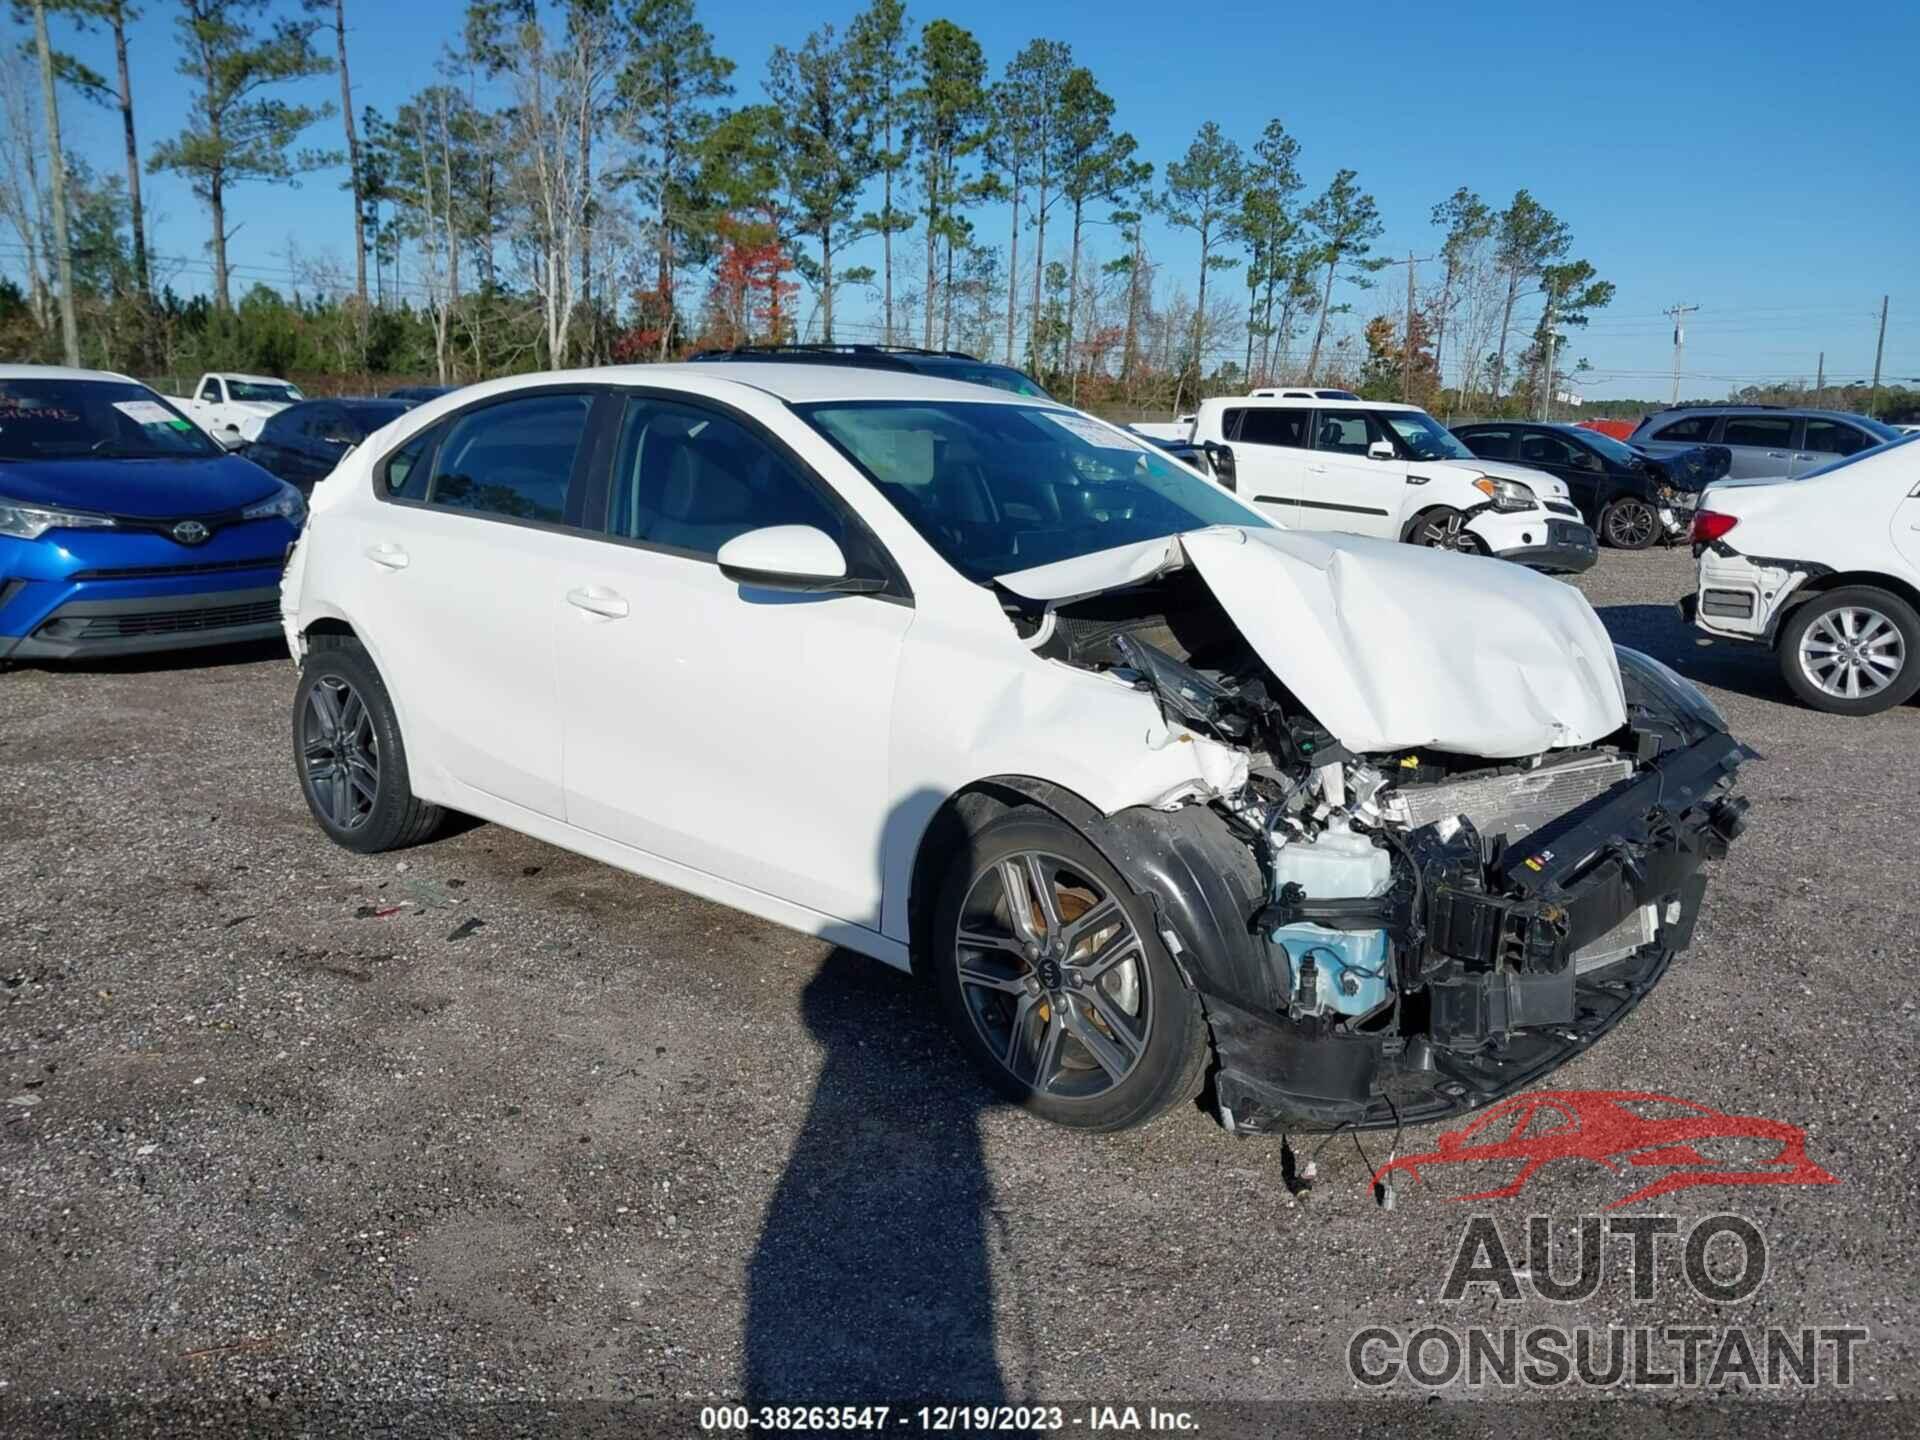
column 1776, row 454
column 1316, row 469
column 597, row 600
column 388, row 555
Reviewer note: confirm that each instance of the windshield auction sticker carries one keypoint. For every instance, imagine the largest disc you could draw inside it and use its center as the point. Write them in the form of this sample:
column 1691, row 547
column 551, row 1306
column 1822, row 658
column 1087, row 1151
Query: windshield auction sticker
column 146, row 412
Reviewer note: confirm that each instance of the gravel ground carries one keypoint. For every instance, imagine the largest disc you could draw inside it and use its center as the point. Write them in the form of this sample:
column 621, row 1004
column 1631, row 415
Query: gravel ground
column 267, row 1136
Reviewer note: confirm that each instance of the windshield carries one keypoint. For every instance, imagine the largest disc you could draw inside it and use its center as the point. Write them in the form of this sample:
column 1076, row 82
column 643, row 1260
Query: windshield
column 997, row 488
column 1425, row 436
column 277, row 393
column 76, row 419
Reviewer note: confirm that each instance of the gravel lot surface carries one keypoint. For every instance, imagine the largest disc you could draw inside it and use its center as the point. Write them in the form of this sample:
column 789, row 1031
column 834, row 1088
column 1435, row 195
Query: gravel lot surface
column 266, row 1136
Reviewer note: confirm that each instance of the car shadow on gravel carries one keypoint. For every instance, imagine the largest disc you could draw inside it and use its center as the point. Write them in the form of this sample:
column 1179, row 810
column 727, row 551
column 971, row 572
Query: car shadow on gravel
column 871, row 1276
column 1658, row 630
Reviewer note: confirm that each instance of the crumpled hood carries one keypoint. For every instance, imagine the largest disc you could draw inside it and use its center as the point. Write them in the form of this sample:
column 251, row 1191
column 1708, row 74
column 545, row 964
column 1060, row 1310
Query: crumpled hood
column 1390, row 646
column 138, row 489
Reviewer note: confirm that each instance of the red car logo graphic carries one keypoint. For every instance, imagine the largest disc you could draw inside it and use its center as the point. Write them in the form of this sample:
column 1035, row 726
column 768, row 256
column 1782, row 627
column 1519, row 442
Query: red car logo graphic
column 1617, row 1128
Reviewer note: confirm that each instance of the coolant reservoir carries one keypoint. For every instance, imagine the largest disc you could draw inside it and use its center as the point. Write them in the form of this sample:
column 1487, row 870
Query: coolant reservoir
column 1339, row 865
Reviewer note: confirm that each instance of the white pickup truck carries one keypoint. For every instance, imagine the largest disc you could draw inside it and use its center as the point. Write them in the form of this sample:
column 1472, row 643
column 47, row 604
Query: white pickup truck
column 1329, row 461
column 232, row 407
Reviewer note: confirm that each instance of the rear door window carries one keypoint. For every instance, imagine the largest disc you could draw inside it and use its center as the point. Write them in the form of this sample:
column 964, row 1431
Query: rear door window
column 1273, row 426
column 1695, row 428
column 1771, row 432
column 513, row 460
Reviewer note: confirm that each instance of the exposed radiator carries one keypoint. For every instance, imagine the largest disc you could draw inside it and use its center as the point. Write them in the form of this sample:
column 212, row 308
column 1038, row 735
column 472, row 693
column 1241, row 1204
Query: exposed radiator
column 1509, row 805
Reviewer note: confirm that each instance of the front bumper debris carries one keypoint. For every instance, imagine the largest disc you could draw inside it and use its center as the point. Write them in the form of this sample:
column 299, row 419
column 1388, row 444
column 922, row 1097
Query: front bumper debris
column 1555, row 546
column 1520, row 964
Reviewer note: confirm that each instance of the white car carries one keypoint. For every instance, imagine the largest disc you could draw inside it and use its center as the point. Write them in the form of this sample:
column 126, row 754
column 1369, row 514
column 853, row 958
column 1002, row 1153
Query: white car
column 1825, row 570
column 978, row 685
column 232, row 407
column 1375, row 468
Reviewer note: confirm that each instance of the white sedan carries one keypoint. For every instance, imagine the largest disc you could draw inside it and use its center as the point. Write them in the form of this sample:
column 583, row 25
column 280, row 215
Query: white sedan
column 981, row 686
column 1825, row 570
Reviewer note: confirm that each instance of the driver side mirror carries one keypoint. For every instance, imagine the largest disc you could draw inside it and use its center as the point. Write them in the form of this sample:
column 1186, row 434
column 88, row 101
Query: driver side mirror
column 799, row 559
column 1220, row 461
column 1381, row 450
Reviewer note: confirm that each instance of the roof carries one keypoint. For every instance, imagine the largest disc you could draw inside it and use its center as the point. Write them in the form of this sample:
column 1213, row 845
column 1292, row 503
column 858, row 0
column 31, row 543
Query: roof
column 250, row 379
column 1301, row 402
column 1788, row 410
column 61, row 372
column 797, row 384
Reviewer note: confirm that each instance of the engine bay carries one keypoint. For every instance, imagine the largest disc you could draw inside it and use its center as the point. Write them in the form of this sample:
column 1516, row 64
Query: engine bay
column 1425, row 924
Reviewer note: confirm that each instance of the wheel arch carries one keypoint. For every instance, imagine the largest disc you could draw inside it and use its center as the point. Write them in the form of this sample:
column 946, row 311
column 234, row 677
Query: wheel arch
column 1201, row 881
column 1841, row 580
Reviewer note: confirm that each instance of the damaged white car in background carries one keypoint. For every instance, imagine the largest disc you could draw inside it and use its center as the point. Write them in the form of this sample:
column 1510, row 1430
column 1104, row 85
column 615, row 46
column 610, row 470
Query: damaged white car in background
column 1148, row 787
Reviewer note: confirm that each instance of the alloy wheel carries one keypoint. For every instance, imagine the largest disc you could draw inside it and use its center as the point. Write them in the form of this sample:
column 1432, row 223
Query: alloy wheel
column 1053, row 975
column 1852, row 652
column 1449, row 532
column 1631, row 524
column 341, row 751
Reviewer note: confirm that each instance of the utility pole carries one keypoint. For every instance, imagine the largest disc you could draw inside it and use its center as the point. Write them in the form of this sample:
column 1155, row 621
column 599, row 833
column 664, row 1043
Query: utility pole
column 1406, row 353
column 1879, row 349
column 1546, row 409
column 63, row 252
column 1679, row 312
column 1820, row 380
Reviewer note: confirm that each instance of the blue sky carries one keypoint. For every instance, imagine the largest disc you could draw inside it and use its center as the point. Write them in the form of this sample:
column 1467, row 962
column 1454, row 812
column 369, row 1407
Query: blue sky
column 1759, row 162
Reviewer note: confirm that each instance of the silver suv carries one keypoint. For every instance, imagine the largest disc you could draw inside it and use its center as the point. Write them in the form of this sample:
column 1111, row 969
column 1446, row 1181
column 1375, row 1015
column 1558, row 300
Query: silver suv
column 1764, row 440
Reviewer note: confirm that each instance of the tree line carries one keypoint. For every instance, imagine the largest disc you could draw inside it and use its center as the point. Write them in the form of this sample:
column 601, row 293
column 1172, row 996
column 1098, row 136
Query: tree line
column 592, row 181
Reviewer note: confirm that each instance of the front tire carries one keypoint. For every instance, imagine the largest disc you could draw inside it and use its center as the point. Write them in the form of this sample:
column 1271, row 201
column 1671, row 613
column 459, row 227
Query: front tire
column 1629, row 523
column 1443, row 528
column 1055, row 983
column 1852, row 651
column 350, row 757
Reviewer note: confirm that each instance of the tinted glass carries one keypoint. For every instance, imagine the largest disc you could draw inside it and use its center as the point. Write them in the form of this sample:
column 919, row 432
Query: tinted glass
column 690, row 479
column 210, row 390
column 1274, row 427
column 1858, row 456
column 998, row 488
column 1490, row 444
column 1346, row 432
column 318, row 421
column 405, row 477
column 1832, row 437
column 94, row 419
column 513, row 459
column 1538, row 449
column 366, row 416
column 1694, row 427
column 999, row 377
column 1769, row 430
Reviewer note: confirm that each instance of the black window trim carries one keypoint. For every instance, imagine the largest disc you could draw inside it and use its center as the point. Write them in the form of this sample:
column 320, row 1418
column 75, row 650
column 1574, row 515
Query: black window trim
column 1238, row 437
column 578, row 483
column 863, row 547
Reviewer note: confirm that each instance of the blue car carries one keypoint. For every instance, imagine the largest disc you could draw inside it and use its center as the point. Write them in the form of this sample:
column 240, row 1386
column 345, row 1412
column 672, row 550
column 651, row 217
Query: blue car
column 124, row 527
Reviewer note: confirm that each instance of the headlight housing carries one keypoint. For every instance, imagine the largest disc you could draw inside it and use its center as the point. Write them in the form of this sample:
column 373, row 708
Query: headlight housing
column 1506, row 495
column 285, row 505
column 30, row 522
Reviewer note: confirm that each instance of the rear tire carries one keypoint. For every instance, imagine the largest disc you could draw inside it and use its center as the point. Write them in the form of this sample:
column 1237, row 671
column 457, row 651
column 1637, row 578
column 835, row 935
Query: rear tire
column 1088, row 1025
column 1859, row 638
column 350, row 756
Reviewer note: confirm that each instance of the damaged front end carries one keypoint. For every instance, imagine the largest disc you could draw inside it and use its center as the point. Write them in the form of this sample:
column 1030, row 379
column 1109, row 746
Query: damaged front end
column 1394, row 935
